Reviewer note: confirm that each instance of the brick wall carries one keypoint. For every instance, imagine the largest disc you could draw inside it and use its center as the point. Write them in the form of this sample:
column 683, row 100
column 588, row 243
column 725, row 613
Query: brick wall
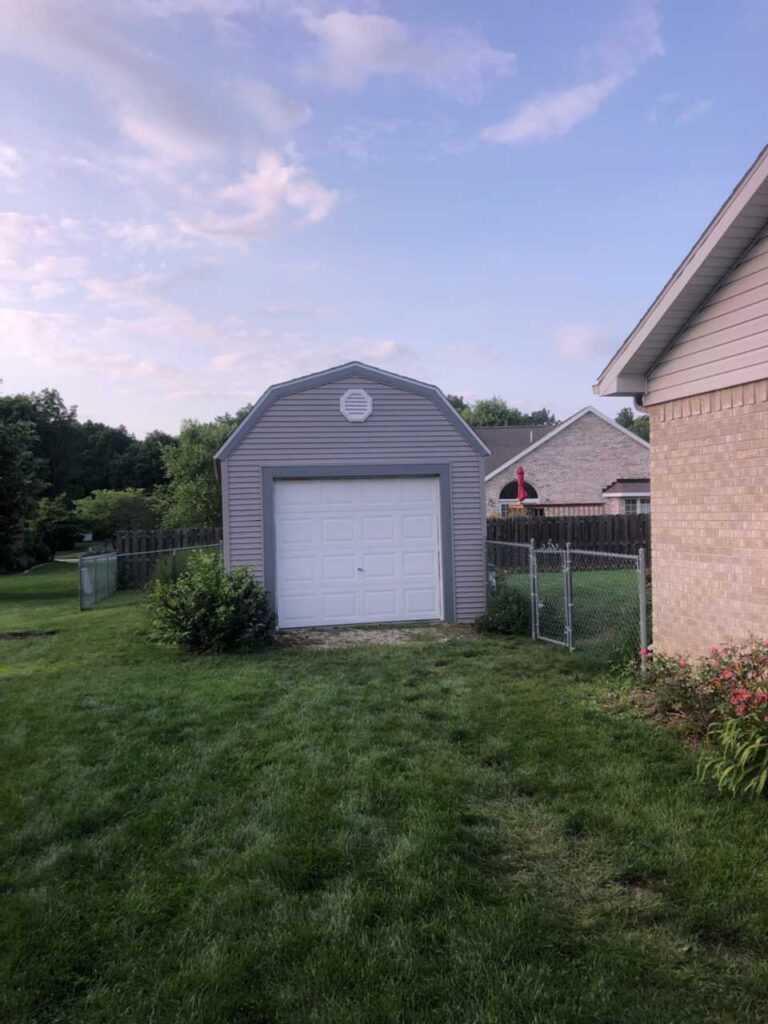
column 709, row 472
column 576, row 464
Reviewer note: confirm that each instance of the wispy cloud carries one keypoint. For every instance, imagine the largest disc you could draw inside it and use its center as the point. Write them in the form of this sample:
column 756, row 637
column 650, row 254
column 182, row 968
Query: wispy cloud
column 352, row 48
column 276, row 113
column 618, row 56
column 10, row 162
column 277, row 185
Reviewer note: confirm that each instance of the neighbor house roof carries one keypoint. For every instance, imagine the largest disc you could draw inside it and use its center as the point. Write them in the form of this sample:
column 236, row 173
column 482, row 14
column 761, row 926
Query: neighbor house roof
column 337, row 373
column 506, row 442
column 626, row 487
column 588, row 409
column 733, row 229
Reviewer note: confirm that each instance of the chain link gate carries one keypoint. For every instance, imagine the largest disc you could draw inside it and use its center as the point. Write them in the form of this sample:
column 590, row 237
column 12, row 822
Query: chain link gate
column 578, row 599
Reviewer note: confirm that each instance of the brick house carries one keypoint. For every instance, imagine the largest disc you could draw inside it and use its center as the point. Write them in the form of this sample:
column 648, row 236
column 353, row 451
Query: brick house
column 698, row 364
column 569, row 466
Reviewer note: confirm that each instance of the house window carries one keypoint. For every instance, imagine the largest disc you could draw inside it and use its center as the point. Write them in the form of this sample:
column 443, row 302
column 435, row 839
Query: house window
column 509, row 493
column 634, row 506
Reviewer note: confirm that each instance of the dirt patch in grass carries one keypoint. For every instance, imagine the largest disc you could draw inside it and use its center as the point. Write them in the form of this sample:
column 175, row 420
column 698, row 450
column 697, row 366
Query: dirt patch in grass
column 377, row 636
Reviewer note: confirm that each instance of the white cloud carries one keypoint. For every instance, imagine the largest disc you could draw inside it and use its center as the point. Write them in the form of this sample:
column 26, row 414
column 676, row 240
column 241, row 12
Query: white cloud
column 146, row 236
column 580, row 342
column 355, row 47
column 276, row 114
column 554, row 113
column 619, row 56
column 155, row 110
column 262, row 196
column 31, row 258
column 10, row 162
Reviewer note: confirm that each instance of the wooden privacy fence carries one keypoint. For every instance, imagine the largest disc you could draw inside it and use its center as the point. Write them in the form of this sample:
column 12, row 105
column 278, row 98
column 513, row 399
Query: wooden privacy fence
column 620, row 534
column 140, row 550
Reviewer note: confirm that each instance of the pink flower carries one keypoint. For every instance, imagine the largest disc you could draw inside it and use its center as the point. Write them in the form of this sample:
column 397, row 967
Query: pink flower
column 727, row 674
column 683, row 663
column 644, row 652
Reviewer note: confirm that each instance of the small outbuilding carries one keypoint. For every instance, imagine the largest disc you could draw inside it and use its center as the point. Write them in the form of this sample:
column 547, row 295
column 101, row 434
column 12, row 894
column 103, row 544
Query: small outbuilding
column 357, row 496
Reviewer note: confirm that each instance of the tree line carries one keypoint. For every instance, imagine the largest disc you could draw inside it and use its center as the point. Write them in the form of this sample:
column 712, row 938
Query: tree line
column 61, row 478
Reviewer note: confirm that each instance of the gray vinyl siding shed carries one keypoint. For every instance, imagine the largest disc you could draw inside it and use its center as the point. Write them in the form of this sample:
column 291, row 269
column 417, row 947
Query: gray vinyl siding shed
column 296, row 430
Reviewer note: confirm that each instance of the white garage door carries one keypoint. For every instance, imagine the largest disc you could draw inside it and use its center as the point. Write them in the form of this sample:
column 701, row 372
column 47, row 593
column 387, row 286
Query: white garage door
column 357, row 550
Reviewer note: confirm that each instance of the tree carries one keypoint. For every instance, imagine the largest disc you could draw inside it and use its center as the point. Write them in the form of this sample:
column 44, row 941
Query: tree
column 105, row 512
column 54, row 525
column 494, row 412
column 55, row 426
column 458, row 403
column 21, row 482
column 640, row 425
column 192, row 496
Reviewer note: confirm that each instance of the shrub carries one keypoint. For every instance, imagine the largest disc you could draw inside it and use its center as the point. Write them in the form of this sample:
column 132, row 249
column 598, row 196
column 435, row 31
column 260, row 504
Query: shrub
column 105, row 512
column 725, row 697
column 208, row 609
column 508, row 612
column 684, row 690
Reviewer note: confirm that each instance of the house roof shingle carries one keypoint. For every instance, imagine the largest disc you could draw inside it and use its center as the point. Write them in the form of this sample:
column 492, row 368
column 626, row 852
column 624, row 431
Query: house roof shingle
column 506, row 442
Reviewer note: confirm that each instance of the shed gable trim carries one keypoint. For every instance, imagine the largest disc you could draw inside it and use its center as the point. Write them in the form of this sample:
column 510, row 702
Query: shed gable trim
column 729, row 234
column 564, row 426
column 336, row 373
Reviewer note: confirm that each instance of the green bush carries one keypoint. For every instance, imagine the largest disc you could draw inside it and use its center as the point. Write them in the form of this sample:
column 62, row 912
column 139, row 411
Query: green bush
column 724, row 697
column 508, row 612
column 210, row 610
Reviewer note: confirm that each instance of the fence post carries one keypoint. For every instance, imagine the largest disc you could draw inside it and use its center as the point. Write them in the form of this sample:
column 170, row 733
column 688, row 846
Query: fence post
column 568, row 596
column 643, row 599
column 534, row 581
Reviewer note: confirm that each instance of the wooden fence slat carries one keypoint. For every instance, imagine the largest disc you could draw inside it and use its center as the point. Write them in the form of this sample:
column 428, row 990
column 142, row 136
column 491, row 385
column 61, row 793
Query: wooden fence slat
column 620, row 534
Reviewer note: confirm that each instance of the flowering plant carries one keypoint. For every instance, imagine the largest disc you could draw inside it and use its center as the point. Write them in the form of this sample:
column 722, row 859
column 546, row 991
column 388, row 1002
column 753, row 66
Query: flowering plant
column 725, row 696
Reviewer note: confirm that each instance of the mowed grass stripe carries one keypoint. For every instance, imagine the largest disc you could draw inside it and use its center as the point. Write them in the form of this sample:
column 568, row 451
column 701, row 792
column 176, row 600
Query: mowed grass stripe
column 450, row 830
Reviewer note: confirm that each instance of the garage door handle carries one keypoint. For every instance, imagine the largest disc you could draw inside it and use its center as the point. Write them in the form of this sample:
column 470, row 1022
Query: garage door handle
column 361, row 570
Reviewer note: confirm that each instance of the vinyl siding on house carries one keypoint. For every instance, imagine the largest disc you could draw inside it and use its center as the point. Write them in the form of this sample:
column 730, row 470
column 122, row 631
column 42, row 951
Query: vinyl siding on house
column 725, row 343
column 305, row 428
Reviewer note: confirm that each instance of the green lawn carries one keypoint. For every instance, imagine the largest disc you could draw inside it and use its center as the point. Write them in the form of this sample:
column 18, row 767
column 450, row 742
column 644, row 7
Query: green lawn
column 605, row 607
column 448, row 831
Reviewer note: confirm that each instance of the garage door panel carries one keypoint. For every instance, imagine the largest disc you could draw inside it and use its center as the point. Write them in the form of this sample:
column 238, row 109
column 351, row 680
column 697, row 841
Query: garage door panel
column 417, row 527
column 418, row 563
column 336, row 529
column 380, row 604
column 297, row 569
column 297, row 530
column 340, row 607
column 357, row 550
column 338, row 567
column 421, row 601
column 417, row 489
column 380, row 566
column 378, row 527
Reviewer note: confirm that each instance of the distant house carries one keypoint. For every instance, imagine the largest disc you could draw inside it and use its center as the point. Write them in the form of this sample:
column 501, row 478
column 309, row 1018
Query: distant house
column 698, row 363
column 628, row 496
column 569, row 468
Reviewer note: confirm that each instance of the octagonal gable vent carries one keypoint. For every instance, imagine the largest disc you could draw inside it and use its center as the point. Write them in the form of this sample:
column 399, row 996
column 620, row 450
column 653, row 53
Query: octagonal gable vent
column 356, row 405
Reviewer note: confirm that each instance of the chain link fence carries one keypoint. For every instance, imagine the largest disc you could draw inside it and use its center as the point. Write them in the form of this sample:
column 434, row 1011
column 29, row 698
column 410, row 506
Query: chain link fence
column 103, row 575
column 581, row 600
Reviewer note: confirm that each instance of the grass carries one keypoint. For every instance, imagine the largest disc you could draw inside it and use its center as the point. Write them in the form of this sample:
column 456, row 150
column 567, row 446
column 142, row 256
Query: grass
column 605, row 607
column 447, row 831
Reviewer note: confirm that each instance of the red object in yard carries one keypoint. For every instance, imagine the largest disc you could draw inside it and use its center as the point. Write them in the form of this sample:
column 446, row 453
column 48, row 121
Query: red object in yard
column 520, row 473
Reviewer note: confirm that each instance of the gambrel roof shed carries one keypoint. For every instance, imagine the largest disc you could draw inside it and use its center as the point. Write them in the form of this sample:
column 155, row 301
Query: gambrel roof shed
column 356, row 495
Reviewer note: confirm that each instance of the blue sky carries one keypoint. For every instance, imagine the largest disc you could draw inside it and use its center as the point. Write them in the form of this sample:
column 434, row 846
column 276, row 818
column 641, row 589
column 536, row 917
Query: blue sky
column 202, row 197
